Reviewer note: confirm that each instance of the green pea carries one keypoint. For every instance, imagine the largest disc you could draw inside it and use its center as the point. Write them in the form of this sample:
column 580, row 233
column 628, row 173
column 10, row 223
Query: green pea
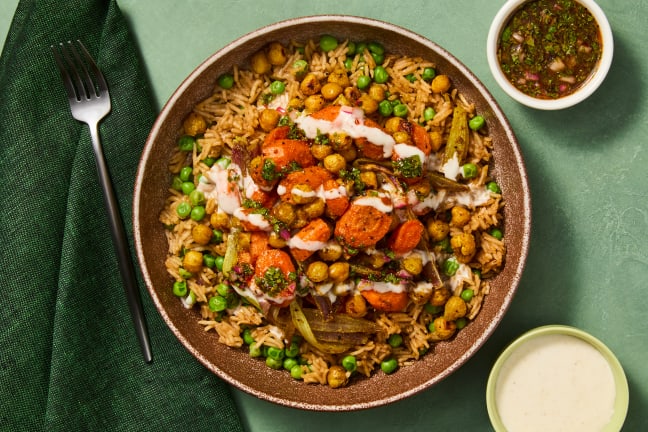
column 351, row 49
column 497, row 233
column 467, row 294
column 328, row 43
column 223, row 162
column 395, row 102
column 348, row 63
column 186, row 143
column 477, row 272
column 493, row 187
column 226, row 81
column 400, row 110
column 296, row 372
column 450, row 266
column 428, row 74
column 385, row 108
column 461, row 323
column 198, row 213
column 361, row 47
column 476, row 122
column 180, row 288
column 186, row 173
column 209, row 161
column 217, row 303
column 469, row 170
column 428, row 114
column 187, row 187
column 363, row 82
column 274, row 363
column 292, row 350
column 276, row 353
column 219, row 262
column 378, row 58
column 209, row 260
column 350, row 363
column 255, row 351
column 376, row 48
column 432, row 309
column 183, row 210
column 247, row 337
column 197, row 197
column 176, row 183
column 395, row 340
column 289, row 363
column 277, row 87
column 300, row 67
column 389, row 365
column 381, row 75
column 445, row 245
column 422, row 351
column 410, row 77
column 184, row 273
column 217, row 236
column 222, row 289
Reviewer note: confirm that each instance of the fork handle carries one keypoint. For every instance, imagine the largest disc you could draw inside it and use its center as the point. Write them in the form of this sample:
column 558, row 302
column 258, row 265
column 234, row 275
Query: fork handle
column 120, row 242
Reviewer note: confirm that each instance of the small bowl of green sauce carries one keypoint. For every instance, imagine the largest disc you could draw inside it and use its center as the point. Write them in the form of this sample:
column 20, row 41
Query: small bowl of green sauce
column 550, row 54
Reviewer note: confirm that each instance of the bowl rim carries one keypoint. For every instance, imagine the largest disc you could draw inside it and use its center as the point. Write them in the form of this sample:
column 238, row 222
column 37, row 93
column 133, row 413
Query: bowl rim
column 621, row 401
column 589, row 87
column 525, row 203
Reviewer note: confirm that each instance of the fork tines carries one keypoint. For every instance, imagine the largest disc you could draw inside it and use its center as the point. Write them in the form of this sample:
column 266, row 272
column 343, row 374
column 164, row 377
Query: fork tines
column 81, row 76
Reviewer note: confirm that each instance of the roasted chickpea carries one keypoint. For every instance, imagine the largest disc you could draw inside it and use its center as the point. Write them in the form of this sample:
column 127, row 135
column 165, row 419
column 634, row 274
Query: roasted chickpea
column 296, row 103
column 314, row 102
column 259, row 63
column 356, row 306
column 219, row 220
column 377, row 92
column 314, row 209
column 320, row 151
column 285, row 212
column 336, row 376
column 276, row 54
column 341, row 100
column 302, row 194
column 334, row 162
column 444, row 329
column 340, row 77
column 301, row 219
column 376, row 260
column 464, row 246
column 440, row 84
column 349, row 154
column 413, row 264
column 339, row 271
column 368, row 104
column 392, row 125
column 436, row 140
column 310, row 85
column 402, row 137
column 460, row 216
column 192, row 261
column 340, row 141
column 194, row 124
column 317, row 271
column 331, row 252
column 352, row 93
column 440, row 296
column 422, row 188
column 201, row 234
column 331, row 90
column 369, row 179
column 454, row 308
column 276, row 241
column 268, row 119
column 437, row 229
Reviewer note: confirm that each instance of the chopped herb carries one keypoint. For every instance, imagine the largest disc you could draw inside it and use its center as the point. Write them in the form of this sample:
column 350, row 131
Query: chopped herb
column 274, row 281
column 321, row 138
column 409, row 167
column 354, row 176
column 269, row 172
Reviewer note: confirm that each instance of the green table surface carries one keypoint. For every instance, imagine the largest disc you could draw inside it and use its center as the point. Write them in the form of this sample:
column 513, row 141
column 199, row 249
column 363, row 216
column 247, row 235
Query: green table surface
column 587, row 166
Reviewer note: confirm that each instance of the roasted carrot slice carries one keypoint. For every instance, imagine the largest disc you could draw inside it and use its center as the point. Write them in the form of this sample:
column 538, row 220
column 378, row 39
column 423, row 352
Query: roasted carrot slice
column 313, row 176
column 386, row 301
column 277, row 133
column 336, row 203
column 421, row 139
column 278, row 286
column 362, row 226
column 315, row 233
column 406, row 236
column 328, row 113
column 285, row 151
column 266, row 198
column 258, row 244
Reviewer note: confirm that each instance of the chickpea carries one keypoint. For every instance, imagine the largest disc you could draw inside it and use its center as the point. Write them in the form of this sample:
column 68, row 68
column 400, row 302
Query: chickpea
column 244, row 239
column 320, row 151
column 349, row 154
column 352, row 93
column 201, row 234
column 413, row 264
column 340, row 141
column 340, row 77
column 334, row 162
column 440, row 84
column 276, row 241
column 422, row 188
column 193, row 261
column 219, row 220
column 315, row 209
column 194, row 124
column 377, row 92
column 368, row 104
column 440, row 296
column 369, row 179
column 331, row 252
column 337, row 377
column 260, row 63
column 285, row 212
column 301, row 219
column 392, row 125
column 296, row 103
column 455, row 308
column 356, row 306
column 460, row 216
column 302, row 194
column 464, row 247
column 314, row 102
column 437, row 229
column 276, row 54
column 339, row 271
column 436, row 140
column 310, row 85
column 331, row 90
column 341, row 100
column 402, row 137
column 444, row 329
column 268, row 119
column 377, row 260
column 317, row 271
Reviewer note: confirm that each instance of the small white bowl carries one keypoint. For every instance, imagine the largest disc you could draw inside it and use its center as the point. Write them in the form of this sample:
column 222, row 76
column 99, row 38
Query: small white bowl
column 556, row 373
column 584, row 91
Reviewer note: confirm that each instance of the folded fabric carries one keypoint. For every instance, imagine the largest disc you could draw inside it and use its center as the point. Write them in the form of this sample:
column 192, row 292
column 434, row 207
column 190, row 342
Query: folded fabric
column 69, row 357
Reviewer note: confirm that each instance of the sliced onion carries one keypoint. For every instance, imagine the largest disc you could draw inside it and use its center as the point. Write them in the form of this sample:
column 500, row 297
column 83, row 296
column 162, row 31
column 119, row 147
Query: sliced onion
column 340, row 323
column 301, row 324
column 231, row 253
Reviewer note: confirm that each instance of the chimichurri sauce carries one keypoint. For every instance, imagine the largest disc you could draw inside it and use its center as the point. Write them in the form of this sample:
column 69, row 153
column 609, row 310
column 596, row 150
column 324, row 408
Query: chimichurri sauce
column 549, row 48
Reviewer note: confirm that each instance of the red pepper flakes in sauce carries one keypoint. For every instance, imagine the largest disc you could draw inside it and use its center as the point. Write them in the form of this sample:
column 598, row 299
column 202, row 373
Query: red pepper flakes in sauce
column 549, row 48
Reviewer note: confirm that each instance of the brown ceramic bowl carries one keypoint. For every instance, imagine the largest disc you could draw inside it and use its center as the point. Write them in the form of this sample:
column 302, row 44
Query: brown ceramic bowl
column 236, row 367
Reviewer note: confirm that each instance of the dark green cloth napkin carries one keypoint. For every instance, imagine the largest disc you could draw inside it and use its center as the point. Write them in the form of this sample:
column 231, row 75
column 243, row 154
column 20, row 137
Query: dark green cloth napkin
column 69, row 357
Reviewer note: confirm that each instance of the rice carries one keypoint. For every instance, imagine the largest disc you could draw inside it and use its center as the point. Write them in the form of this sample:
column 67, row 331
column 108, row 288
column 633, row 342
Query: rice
column 225, row 289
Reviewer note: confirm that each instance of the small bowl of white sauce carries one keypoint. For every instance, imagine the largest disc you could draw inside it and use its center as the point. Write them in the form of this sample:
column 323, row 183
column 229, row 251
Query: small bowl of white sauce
column 557, row 378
